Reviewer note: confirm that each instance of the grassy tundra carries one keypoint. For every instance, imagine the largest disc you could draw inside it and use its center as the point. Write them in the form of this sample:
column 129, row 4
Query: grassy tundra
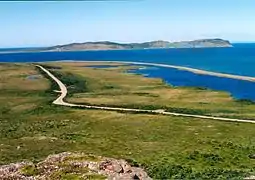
column 112, row 87
column 168, row 147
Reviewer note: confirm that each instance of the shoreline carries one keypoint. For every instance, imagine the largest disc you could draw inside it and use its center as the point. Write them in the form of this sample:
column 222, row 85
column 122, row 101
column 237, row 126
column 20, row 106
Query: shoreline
column 92, row 50
column 63, row 90
column 181, row 68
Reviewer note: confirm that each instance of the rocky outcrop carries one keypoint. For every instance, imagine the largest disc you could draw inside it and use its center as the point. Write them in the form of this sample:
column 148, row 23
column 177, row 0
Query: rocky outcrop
column 75, row 165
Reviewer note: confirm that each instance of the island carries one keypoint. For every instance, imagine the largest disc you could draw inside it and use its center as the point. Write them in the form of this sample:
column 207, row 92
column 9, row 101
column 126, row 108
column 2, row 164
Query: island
column 108, row 45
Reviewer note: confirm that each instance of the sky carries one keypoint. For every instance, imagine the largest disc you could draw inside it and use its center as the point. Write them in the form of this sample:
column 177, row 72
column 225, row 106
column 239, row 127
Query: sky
column 29, row 24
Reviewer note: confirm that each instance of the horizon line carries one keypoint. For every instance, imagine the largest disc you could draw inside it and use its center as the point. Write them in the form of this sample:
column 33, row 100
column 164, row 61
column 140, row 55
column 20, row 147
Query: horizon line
column 43, row 46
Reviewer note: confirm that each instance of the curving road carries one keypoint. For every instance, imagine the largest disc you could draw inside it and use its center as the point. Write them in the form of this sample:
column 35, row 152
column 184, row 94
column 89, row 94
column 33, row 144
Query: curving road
column 63, row 90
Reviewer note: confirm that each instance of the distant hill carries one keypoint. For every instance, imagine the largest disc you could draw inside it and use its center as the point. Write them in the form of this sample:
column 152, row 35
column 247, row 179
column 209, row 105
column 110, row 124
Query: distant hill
column 107, row 45
column 202, row 43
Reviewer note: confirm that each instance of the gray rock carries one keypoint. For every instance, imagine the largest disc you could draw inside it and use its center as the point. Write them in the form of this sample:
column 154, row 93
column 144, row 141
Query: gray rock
column 113, row 169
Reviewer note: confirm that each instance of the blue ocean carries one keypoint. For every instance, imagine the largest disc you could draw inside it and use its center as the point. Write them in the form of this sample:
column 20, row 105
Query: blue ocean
column 239, row 60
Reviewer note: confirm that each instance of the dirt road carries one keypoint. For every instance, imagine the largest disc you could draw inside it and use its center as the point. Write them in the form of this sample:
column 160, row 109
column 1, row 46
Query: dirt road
column 63, row 91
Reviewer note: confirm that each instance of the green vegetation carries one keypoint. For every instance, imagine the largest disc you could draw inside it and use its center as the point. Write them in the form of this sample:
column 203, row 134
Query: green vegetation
column 49, row 67
column 29, row 170
column 164, row 170
column 111, row 87
column 74, row 83
column 69, row 171
column 66, row 177
column 167, row 146
column 153, row 107
column 96, row 176
column 70, row 167
column 83, row 158
column 245, row 102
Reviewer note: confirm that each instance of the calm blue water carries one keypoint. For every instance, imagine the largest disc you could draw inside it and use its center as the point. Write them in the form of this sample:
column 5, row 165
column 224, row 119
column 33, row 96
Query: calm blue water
column 15, row 49
column 239, row 60
column 238, row 89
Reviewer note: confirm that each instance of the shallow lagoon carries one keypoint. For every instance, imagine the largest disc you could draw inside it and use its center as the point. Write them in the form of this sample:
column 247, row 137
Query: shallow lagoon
column 239, row 89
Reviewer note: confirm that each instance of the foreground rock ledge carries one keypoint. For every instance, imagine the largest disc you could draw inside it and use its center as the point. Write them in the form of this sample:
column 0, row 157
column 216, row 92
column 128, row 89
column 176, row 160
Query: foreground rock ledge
column 69, row 165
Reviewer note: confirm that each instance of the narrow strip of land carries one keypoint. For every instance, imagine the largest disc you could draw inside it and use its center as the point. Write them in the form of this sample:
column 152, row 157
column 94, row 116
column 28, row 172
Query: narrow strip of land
column 193, row 70
column 63, row 90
